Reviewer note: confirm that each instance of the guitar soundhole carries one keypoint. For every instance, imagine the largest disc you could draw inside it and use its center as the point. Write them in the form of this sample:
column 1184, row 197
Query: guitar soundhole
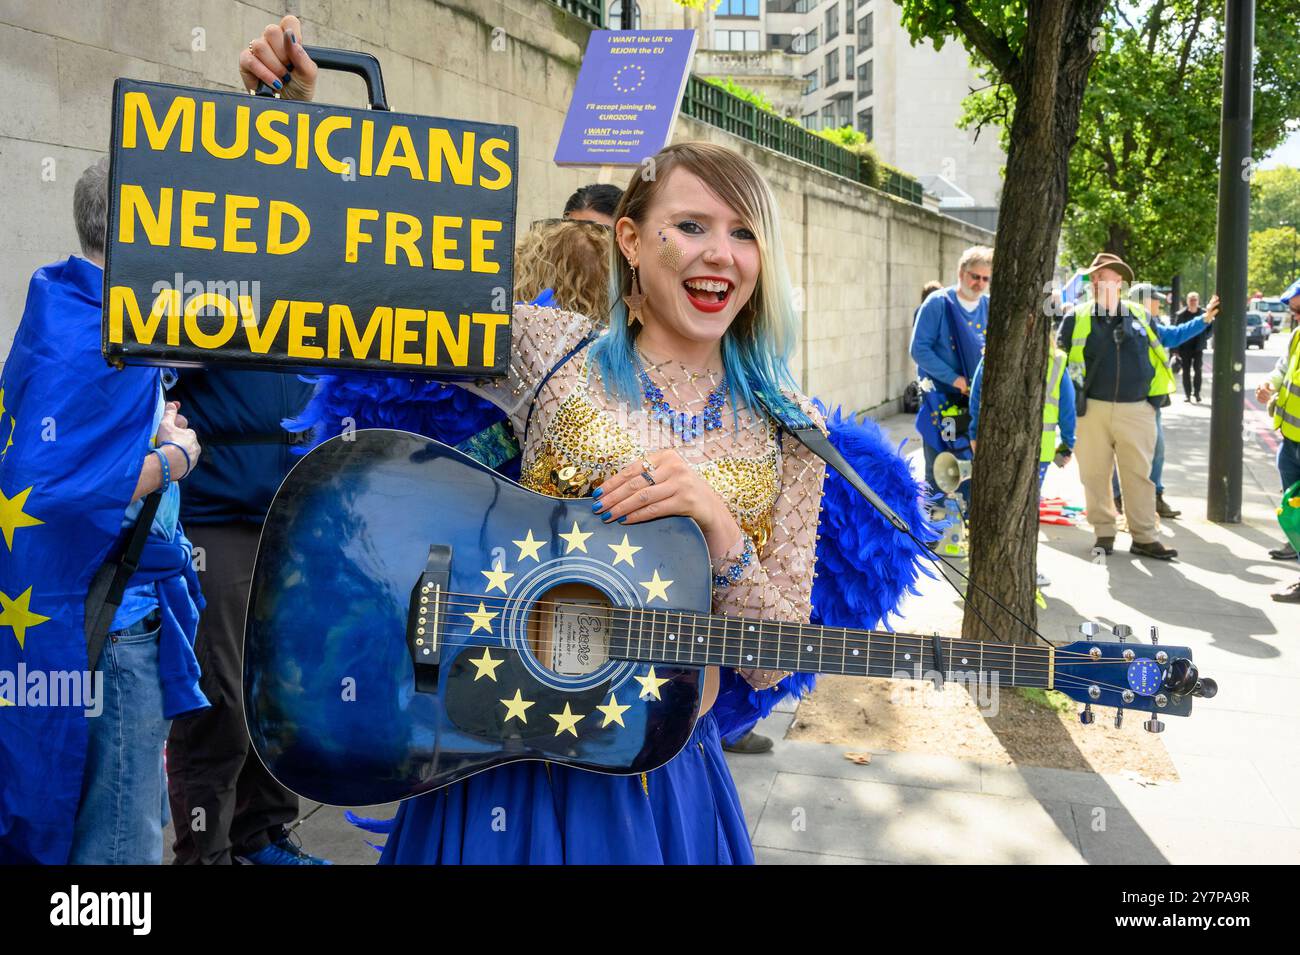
column 569, row 629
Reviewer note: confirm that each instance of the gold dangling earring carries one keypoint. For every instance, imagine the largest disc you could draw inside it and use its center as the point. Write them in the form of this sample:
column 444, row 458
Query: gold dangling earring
column 634, row 299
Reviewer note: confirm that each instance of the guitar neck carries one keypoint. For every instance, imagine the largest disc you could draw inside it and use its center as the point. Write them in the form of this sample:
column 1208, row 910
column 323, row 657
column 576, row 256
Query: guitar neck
column 693, row 639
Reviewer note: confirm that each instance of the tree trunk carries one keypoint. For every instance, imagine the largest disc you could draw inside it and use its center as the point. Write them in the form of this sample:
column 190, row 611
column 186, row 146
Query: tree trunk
column 1060, row 45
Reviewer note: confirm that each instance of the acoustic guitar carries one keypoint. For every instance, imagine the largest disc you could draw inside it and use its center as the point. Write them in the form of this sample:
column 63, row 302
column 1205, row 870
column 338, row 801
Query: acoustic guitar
column 416, row 618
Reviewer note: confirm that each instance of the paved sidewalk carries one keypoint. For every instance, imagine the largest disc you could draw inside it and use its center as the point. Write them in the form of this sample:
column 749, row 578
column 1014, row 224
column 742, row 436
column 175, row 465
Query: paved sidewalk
column 1237, row 756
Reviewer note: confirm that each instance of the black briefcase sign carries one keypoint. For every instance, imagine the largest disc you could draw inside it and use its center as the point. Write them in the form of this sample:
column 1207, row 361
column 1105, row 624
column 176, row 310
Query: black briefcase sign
column 265, row 233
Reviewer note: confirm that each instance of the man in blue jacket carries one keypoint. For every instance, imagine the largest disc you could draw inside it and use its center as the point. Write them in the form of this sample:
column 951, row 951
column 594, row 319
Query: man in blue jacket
column 225, row 805
column 947, row 345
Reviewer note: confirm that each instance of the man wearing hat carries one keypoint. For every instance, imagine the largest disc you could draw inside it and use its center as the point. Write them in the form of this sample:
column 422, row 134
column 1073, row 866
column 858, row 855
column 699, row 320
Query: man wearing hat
column 1117, row 358
column 1284, row 382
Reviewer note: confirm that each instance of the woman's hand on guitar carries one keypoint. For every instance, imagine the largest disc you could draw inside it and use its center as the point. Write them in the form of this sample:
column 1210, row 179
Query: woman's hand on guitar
column 673, row 487
column 277, row 59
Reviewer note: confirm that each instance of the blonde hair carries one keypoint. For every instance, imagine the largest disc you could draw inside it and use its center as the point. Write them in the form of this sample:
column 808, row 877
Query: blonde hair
column 756, row 348
column 570, row 257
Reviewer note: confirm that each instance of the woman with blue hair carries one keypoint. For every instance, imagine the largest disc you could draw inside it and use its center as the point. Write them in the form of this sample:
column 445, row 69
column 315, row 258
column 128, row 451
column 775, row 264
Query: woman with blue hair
column 652, row 409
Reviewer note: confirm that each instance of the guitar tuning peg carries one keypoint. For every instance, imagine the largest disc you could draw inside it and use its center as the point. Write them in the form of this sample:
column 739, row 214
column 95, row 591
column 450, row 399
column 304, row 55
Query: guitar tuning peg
column 1089, row 629
column 1155, row 635
column 1087, row 717
column 1119, row 717
column 1155, row 724
column 1121, row 631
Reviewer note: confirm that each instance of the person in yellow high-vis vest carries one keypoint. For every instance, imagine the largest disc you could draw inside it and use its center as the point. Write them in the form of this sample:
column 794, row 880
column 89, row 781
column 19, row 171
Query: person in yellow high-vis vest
column 1121, row 375
column 1282, row 392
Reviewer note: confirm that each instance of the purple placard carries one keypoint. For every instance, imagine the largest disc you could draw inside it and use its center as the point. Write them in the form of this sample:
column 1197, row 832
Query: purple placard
column 627, row 96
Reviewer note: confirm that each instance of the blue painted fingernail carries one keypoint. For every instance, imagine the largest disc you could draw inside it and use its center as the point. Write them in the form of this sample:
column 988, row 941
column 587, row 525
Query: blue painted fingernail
column 597, row 492
column 596, row 507
column 277, row 84
column 623, row 519
column 292, row 38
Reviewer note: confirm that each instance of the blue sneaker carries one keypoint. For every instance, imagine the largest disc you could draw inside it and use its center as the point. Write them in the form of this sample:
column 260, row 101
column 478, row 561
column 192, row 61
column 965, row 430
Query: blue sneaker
column 283, row 852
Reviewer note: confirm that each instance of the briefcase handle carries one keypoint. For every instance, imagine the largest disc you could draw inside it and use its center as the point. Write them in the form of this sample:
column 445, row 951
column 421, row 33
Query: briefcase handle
column 365, row 65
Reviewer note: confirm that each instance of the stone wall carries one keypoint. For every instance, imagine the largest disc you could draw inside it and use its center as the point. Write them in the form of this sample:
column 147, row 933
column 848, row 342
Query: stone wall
column 859, row 257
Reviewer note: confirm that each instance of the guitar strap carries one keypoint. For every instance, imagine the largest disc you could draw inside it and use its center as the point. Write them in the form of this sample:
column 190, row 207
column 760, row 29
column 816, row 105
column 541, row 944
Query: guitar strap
column 791, row 417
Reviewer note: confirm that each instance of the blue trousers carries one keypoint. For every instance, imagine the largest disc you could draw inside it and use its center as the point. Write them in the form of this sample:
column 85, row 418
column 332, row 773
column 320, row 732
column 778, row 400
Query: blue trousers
column 120, row 817
column 1288, row 462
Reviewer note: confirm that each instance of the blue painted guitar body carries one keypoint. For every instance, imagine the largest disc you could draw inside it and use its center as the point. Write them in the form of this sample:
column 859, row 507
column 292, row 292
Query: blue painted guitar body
column 330, row 693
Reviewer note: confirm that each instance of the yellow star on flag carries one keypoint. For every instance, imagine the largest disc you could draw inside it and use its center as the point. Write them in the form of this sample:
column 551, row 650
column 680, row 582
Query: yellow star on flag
column 567, row 721
column 12, row 516
column 18, row 615
column 623, row 552
column 650, row 685
column 496, row 578
column 613, row 712
column 481, row 617
column 576, row 539
column 516, row 707
column 529, row 546
column 486, row 666
column 656, row 587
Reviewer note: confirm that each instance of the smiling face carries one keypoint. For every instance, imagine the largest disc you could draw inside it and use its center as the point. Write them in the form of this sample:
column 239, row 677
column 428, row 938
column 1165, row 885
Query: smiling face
column 698, row 265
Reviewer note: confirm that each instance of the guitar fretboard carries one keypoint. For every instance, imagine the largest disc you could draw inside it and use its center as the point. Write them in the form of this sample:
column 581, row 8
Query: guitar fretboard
column 691, row 639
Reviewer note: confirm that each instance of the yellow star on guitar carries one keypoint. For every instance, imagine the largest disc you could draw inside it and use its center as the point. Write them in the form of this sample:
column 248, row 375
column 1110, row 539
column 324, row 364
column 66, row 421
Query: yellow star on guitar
column 486, row 666
column 656, row 587
column 613, row 712
column 12, row 516
column 517, row 707
column 529, row 546
column 496, row 578
column 623, row 552
column 576, row 539
column 481, row 617
column 17, row 614
column 567, row 721
column 650, row 685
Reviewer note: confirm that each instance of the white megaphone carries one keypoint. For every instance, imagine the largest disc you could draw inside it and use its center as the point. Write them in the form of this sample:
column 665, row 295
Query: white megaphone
column 950, row 472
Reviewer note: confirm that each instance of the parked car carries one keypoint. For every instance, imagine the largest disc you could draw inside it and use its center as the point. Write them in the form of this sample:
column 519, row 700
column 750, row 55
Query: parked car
column 1257, row 329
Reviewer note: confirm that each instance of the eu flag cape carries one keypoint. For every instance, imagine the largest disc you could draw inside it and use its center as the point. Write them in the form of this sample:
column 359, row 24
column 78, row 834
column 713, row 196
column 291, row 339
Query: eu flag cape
column 72, row 432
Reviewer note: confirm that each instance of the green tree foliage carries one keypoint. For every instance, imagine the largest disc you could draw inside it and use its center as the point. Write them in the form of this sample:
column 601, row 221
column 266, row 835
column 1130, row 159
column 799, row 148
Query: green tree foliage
column 1273, row 260
column 1275, row 198
column 1144, row 173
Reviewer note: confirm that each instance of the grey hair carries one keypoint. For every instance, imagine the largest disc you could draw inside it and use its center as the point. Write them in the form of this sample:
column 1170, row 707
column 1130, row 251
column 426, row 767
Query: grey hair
column 90, row 208
column 975, row 255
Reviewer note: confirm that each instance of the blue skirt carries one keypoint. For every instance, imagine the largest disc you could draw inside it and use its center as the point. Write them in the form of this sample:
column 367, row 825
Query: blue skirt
column 686, row 812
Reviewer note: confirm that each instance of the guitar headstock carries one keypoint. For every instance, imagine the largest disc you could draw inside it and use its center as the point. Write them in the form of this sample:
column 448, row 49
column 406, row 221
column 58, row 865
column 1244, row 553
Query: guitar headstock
column 1109, row 668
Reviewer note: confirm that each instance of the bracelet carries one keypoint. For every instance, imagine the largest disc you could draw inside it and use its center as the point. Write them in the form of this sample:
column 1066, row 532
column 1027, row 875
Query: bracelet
column 188, row 466
column 738, row 564
column 166, row 469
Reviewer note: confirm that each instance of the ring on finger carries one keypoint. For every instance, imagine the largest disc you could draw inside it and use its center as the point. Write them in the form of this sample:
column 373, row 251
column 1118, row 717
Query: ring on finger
column 648, row 476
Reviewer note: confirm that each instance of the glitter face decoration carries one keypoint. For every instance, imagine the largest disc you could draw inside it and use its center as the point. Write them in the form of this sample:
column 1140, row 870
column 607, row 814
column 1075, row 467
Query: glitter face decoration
column 670, row 253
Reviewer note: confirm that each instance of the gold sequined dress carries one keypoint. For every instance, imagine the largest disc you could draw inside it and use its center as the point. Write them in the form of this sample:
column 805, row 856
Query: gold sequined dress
column 578, row 436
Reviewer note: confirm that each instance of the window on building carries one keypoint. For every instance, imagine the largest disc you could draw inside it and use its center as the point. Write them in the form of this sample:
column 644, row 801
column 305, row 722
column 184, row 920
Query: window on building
column 737, row 8
column 614, row 20
column 805, row 42
column 866, row 32
column 866, row 123
column 735, row 41
column 832, row 21
column 781, row 41
column 810, row 121
column 790, row 6
column 848, row 16
column 865, row 84
column 828, row 116
column 832, row 67
column 809, row 82
column 848, row 61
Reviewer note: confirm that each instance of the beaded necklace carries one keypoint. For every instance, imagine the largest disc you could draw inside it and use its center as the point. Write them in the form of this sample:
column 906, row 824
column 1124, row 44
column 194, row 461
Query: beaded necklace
column 686, row 427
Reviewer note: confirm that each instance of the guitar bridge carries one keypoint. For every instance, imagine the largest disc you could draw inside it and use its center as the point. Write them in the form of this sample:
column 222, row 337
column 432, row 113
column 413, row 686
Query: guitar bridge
column 423, row 620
